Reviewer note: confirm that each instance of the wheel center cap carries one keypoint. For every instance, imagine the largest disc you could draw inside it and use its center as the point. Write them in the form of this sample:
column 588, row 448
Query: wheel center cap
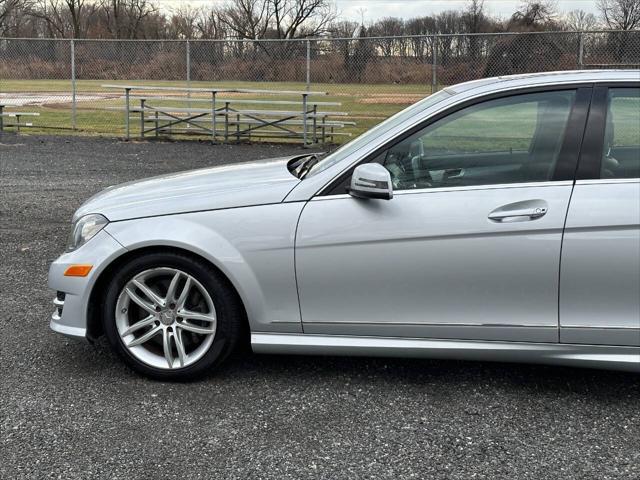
column 166, row 318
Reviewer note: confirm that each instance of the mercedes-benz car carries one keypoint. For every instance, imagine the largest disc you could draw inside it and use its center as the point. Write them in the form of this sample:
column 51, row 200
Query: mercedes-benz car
column 494, row 220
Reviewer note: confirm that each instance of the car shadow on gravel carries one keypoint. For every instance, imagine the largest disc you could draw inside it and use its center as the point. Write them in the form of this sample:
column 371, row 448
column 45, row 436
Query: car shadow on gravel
column 81, row 359
column 523, row 377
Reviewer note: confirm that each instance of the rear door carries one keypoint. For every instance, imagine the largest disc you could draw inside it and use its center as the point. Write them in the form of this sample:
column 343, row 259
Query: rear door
column 600, row 269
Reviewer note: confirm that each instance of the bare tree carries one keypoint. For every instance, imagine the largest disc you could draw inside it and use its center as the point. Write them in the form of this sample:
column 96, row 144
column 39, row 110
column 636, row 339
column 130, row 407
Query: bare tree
column 295, row 19
column 183, row 23
column 125, row 18
column 390, row 27
column 421, row 46
column 282, row 19
column 448, row 22
column 8, row 9
column 620, row 14
column 420, row 26
column 475, row 21
column 246, row 19
column 79, row 11
column 209, row 25
column 474, row 17
column 579, row 20
column 343, row 29
column 356, row 62
column 301, row 18
column 65, row 18
column 534, row 15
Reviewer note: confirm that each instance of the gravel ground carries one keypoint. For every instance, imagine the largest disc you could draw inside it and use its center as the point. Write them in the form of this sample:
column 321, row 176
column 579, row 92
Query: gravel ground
column 71, row 410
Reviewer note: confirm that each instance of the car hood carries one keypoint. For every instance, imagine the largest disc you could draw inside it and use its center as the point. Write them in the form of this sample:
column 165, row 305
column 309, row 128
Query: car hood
column 237, row 185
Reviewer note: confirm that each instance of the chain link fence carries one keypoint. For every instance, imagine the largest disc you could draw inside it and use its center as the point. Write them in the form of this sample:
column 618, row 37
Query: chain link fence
column 373, row 78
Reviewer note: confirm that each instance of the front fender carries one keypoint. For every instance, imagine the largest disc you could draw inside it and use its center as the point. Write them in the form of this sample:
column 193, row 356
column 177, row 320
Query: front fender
column 252, row 246
column 100, row 252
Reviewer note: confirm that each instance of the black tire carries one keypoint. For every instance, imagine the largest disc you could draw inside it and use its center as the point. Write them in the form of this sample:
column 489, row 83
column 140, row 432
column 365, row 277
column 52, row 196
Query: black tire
column 229, row 311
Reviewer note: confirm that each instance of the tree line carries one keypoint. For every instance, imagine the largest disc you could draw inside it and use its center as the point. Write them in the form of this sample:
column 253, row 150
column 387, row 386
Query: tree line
column 285, row 19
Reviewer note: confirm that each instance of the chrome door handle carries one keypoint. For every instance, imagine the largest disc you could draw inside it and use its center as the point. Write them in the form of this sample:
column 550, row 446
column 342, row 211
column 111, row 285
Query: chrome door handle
column 519, row 211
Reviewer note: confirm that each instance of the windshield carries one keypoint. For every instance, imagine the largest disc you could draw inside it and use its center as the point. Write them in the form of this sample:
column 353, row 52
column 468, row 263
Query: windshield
column 366, row 138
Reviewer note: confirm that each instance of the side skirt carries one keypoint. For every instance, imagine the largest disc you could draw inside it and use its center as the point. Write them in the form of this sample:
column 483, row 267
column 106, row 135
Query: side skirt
column 591, row 356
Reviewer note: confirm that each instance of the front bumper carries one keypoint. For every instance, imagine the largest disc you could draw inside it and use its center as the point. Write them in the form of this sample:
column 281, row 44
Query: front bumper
column 73, row 293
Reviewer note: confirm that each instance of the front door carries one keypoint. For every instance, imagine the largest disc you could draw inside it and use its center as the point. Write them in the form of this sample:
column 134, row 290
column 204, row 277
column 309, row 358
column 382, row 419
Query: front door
column 468, row 248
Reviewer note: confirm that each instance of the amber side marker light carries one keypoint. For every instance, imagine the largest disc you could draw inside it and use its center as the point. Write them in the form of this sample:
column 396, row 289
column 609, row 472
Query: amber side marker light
column 78, row 270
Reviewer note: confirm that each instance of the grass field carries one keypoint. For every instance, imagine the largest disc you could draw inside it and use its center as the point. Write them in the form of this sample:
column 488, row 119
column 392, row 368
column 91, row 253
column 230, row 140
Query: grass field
column 366, row 105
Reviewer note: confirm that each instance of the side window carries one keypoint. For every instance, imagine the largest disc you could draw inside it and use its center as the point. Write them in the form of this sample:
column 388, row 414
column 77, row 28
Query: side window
column 621, row 155
column 508, row 140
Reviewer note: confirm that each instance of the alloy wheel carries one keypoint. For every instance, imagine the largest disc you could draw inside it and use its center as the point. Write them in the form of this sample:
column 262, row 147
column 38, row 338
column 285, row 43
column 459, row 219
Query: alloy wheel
column 166, row 318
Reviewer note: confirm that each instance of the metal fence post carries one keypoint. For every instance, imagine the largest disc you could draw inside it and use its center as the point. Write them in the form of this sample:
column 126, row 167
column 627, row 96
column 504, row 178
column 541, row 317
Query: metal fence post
column 142, row 105
column 127, row 94
column 304, row 119
column 581, row 50
column 226, row 122
column 188, row 59
column 434, row 65
column 315, row 123
column 73, row 84
column 308, row 65
column 213, row 117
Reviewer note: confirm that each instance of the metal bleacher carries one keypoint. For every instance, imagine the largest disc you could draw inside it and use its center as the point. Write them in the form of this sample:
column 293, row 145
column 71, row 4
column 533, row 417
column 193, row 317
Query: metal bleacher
column 17, row 124
column 229, row 118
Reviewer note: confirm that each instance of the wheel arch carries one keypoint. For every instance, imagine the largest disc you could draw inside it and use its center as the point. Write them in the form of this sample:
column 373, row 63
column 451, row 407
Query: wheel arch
column 96, row 298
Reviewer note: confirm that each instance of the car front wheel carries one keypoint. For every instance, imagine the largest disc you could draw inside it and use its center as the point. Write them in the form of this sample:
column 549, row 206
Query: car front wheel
column 170, row 316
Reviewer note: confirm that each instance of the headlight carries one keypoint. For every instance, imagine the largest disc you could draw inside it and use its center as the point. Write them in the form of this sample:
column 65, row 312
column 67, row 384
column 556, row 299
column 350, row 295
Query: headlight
column 85, row 229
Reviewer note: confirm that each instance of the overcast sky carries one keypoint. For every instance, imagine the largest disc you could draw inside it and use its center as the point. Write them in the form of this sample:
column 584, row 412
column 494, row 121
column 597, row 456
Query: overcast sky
column 376, row 9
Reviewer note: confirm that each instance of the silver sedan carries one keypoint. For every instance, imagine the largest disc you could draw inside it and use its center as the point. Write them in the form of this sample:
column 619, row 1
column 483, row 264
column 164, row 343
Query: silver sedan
column 494, row 220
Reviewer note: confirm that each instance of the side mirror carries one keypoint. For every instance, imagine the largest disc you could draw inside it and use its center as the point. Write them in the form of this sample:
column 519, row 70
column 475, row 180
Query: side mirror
column 371, row 180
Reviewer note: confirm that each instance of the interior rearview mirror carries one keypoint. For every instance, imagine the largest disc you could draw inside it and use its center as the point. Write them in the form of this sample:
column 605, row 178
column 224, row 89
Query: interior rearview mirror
column 371, row 180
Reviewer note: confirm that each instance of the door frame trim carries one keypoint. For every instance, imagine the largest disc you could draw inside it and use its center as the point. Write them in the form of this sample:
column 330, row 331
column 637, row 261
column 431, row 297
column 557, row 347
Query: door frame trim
column 495, row 186
column 571, row 143
column 590, row 160
column 607, row 181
